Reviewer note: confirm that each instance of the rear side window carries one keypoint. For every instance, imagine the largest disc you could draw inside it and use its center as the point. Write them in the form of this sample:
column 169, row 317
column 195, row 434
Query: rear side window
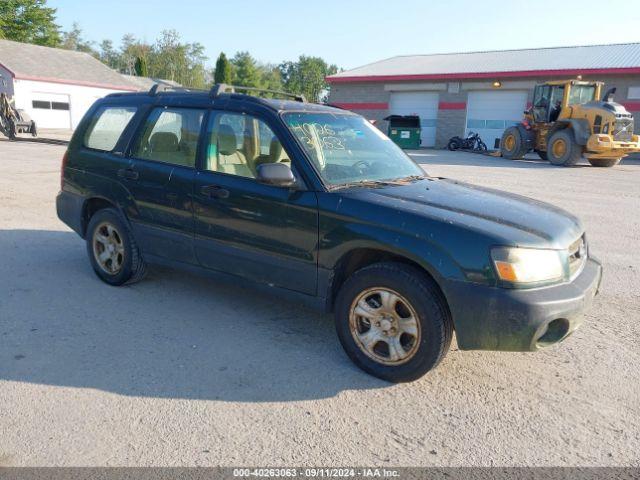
column 171, row 136
column 107, row 127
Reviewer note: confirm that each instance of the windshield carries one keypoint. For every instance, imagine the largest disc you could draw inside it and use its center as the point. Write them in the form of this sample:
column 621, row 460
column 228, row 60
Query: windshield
column 348, row 149
column 581, row 94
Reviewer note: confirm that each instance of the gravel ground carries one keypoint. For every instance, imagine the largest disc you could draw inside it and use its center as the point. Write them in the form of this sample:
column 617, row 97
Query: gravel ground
column 181, row 370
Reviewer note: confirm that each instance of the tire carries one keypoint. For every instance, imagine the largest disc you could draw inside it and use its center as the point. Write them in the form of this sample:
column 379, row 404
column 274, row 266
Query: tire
column 542, row 155
column 420, row 307
column 566, row 155
column 604, row 162
column 453, row 145
column 512, row 145
column 128, row 265
column 482, row 147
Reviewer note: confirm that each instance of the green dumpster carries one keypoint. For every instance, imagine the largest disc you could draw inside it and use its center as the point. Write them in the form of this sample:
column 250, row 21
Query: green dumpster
column 404, row 130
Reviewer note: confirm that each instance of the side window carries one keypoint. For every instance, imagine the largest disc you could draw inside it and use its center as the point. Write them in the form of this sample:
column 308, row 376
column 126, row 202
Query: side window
column 107, row 127
column 541, row 102
column 239, row 143
column 170, row 135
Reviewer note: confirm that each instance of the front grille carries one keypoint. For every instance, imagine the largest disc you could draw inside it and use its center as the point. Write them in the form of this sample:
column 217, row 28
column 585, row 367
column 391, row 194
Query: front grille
column 577, row 255
column 623, row 129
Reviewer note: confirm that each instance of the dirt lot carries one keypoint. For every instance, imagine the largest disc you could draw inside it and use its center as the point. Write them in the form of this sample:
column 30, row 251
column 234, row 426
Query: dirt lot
column 181, row 370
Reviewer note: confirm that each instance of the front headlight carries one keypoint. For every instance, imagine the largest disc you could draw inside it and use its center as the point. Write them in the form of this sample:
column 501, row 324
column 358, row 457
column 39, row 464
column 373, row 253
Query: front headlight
column 527, row 265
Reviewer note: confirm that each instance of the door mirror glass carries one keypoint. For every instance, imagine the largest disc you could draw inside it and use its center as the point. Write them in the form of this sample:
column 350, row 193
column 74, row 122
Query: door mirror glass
column 276, row 174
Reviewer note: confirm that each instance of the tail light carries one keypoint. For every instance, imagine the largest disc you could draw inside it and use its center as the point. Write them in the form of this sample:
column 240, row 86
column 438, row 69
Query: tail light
column 65, row 157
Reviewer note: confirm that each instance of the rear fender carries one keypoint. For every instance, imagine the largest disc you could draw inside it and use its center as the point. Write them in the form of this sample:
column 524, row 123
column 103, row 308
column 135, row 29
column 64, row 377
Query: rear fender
column 528, row 136
column 106, row 189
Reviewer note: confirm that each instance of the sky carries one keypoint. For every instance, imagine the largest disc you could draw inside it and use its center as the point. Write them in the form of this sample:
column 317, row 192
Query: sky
column 354, row 33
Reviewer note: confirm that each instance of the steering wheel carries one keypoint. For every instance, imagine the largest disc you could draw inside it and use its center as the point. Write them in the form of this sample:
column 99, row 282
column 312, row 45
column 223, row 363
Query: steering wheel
column 361, row 165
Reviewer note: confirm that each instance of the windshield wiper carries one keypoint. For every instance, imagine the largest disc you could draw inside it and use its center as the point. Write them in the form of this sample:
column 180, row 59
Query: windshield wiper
column 410, row 178
column 378, row 183
column 361, row 183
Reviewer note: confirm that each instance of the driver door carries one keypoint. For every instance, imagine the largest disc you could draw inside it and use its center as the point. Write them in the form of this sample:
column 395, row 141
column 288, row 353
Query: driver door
column 260, row 232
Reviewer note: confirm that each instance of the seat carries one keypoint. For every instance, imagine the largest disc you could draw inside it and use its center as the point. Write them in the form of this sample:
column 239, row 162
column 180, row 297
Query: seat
column 275, row 154
column 230, row 159
column 165, row 147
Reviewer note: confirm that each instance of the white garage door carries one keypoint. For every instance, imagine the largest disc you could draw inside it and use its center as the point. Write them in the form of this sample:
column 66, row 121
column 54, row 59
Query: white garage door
column 490, row 112
column 422, row 104
column 50, row 110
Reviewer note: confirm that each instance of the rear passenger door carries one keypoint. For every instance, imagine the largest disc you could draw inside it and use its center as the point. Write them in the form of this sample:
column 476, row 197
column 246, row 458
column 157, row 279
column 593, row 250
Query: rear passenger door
column 160, row 179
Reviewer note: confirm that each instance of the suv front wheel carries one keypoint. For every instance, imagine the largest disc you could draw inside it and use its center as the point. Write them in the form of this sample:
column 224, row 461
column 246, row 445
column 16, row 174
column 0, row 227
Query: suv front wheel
column 112, row 250
column 393, row 322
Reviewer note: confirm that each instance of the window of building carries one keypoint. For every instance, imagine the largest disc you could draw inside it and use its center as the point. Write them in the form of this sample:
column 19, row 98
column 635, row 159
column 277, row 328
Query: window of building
column 240, row 143
column 475, row 123
column 47, row 105
column 41, row 104
column 171, row 136
column 633, row 93
column 107, row 127
column 495, row 124
column 59, row 105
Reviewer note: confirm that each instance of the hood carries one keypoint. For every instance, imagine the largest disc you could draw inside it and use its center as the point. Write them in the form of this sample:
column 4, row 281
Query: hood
column 511, row 219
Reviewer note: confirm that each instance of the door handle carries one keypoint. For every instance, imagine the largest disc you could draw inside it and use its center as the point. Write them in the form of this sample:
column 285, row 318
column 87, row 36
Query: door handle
column 128, row 173
column 214, row 191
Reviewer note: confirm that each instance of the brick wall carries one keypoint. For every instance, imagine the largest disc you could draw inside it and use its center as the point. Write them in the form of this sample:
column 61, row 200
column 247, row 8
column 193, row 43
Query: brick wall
column 371, row 100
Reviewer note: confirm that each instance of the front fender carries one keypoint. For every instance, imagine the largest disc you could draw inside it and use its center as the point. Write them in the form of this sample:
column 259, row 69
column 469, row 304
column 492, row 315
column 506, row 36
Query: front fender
column 580, row 127
column 347, row 237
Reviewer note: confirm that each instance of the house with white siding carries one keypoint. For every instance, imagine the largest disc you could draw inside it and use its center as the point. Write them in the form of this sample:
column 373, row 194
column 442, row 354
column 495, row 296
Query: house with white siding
column 55, row 87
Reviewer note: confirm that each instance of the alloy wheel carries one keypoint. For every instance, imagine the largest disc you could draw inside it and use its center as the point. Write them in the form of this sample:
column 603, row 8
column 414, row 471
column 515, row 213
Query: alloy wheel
column 108, row 248
column 385, row 326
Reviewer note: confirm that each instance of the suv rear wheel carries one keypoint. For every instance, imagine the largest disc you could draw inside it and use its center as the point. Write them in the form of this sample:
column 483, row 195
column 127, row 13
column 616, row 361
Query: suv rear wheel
column 112, row 250
column 512, row 145
column 393, row 322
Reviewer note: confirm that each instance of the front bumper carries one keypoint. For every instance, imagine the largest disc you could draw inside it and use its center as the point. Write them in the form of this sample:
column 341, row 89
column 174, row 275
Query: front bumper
column 604, row 146
column 493, row 318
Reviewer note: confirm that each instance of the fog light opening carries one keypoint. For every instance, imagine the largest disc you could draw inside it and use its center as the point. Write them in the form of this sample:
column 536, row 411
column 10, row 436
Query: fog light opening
column 556, row 330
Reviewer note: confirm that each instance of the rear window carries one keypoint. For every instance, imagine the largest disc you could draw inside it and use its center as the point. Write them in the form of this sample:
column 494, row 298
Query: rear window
column 107, row 127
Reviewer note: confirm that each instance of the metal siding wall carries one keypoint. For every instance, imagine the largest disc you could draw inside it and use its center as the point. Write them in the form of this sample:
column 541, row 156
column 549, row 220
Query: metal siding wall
column 453, row 122
column 80, row 98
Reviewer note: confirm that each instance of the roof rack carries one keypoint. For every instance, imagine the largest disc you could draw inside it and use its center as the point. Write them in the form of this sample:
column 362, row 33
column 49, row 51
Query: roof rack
column 220, row 88
column 161, row 87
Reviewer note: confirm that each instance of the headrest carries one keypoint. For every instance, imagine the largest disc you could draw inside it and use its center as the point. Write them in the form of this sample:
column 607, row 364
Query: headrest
column 275, row 150
column 227, row 141
column 163, row 142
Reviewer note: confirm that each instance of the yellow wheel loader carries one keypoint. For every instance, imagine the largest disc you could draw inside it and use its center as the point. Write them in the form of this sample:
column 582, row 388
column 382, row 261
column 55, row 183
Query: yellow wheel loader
column 570, row 119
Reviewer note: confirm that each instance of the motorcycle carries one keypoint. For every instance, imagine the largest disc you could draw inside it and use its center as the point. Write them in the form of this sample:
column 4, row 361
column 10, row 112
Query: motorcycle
column 472, row 142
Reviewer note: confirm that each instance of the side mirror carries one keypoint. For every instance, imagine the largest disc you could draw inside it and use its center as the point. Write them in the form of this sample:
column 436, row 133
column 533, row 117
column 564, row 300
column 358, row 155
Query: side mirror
column 276, row 174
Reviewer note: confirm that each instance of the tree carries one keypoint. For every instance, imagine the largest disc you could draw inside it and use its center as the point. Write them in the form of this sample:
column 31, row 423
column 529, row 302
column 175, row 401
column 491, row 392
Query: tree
column 246, row 72
column 270, row 77
column 141, row 67
column 222, row 73
column 73, row 40
column 307, row 76
column 109, row 55
column 171, row 59
column 131, row 50
column 29, row 21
